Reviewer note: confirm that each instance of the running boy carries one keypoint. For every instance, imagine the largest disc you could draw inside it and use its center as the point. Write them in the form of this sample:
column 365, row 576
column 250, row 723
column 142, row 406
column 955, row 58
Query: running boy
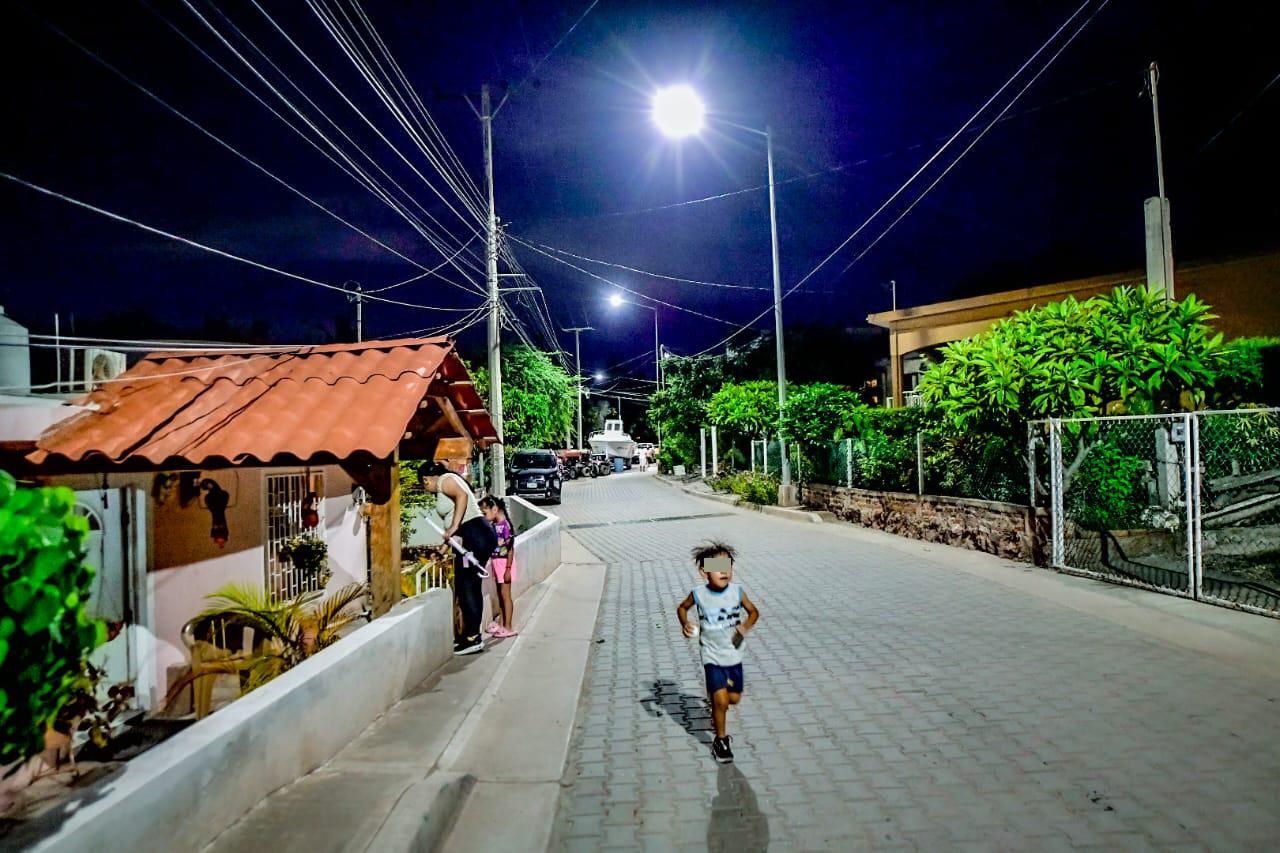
column 720, row 630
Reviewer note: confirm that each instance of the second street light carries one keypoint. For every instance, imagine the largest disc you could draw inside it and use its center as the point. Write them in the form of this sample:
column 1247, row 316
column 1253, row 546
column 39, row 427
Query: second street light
column 679, row 112
column 616, row 300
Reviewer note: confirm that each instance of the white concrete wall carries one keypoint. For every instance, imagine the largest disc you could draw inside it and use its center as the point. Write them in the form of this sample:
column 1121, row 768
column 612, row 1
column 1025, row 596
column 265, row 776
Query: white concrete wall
column 537, row 548
column 182, row 793
column 187, row 566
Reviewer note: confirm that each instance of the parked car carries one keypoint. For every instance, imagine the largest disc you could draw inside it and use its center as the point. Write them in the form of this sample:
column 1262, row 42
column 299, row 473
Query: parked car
column 535, row 474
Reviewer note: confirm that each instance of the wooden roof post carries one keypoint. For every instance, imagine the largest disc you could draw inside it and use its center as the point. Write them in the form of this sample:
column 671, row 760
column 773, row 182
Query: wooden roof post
column 384, row 544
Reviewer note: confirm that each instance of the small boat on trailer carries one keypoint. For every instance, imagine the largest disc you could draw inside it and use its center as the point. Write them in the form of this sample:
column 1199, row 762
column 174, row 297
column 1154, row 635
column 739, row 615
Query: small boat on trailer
column 613, row 442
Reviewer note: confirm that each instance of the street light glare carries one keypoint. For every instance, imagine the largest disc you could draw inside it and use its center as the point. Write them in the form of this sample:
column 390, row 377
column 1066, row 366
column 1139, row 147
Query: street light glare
column 599, row 377
column 615, row 300
column 678, row 111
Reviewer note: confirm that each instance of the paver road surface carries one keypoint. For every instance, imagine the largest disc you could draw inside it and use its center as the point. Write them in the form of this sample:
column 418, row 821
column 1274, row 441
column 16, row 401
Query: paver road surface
column 894, row 701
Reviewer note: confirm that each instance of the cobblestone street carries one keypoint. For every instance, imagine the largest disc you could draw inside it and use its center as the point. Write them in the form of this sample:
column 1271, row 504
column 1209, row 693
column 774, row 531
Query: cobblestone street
column 894, row 701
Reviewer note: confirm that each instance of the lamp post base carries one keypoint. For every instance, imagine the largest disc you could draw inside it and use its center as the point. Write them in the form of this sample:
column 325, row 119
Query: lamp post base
column 789, row 495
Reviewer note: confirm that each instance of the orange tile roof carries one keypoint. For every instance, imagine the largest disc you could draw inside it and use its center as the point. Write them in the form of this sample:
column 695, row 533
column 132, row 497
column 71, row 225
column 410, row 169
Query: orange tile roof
column 257, row 406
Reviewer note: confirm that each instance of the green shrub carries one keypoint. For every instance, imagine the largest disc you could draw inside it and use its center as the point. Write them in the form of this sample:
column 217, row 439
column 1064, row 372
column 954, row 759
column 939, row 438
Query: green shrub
column 753, row 488
column 45, row 634
column 1109, row 492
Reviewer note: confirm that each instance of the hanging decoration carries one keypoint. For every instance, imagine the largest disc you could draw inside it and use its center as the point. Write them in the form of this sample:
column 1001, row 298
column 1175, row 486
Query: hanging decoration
column 216, row 500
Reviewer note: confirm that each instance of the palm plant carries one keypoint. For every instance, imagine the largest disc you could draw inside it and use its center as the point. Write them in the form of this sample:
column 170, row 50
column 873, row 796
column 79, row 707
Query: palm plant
column 286, row 632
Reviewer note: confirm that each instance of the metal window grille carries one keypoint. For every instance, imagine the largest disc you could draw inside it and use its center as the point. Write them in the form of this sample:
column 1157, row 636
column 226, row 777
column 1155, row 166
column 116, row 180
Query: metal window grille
column 285, row 494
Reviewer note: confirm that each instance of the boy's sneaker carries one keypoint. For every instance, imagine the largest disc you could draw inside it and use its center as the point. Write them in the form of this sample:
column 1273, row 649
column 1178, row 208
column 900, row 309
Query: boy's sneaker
column 469, row 646
column 720, row 749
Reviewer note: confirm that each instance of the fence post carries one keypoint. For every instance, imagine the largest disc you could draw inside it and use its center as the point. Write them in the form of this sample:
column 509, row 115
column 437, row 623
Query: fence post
column 702, row 449
column 919, row 462
column 753, row 456
column 764, row 453
column 848, row 463
column 1031, row 470
column 715, row 452
column 1188, row 455
column 1055, row 489
column 1199, row 510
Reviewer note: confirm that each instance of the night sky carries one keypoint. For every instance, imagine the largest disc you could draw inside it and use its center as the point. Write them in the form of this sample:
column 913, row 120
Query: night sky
column 858, row 95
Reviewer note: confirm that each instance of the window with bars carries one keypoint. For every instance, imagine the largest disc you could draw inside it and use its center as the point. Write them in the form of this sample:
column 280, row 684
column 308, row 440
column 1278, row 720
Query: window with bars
column 286, row 504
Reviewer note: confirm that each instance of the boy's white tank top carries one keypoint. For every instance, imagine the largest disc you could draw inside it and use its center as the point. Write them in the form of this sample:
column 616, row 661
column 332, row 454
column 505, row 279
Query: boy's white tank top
column 719, row 613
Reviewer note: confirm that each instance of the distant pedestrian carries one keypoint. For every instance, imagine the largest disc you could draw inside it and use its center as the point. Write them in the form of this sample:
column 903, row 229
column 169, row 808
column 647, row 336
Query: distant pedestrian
column 503, row 564
column 720, row 629
column 459, row 511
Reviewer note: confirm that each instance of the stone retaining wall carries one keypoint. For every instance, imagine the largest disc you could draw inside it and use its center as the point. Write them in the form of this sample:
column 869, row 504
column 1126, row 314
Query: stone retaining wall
column 1004, row 529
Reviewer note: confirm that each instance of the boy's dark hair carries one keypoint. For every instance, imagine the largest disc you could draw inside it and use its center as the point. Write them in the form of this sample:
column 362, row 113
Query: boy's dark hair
column 701, row 553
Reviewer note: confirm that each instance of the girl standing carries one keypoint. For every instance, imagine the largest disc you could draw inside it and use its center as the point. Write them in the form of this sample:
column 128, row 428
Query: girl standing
column 503, row 563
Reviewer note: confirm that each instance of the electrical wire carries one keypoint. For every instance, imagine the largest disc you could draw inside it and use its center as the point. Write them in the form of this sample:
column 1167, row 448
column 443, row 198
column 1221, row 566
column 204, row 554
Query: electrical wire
column 534, row 69
column 569, row 254
column 362, row 64
column 51, row 385
column 928, row 162
column 211, row 249
column 622, row 287
column 349, row 166
column 244, row 157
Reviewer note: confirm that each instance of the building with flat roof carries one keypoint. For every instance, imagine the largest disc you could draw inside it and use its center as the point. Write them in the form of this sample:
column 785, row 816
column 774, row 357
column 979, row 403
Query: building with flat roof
column 1244, row 293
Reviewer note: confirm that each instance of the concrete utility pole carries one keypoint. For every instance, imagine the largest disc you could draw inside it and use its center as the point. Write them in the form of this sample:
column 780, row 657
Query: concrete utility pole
column 1156, row 210
column 358, row 299
column 495, row 307
column 577, row 367
column 786, row 490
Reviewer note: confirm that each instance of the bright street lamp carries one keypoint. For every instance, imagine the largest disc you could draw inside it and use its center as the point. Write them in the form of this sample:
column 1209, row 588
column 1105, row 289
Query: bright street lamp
column 678, row 111
column 616, row 300
column 599, row 377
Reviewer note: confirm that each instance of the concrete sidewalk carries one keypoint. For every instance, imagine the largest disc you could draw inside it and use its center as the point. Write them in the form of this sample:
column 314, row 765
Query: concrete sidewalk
column 476, row 727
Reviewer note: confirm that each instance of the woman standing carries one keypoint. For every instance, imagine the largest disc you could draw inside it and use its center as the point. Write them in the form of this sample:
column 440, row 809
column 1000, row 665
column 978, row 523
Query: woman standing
column 460, row 513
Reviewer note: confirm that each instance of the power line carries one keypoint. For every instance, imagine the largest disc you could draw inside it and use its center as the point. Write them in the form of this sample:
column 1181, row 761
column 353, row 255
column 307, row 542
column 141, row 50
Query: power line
column 928, row 162
column 651, row 274
column 556, row 46
column 349, row 166
column 622, row 287
column 220, row 252
column 224, row 144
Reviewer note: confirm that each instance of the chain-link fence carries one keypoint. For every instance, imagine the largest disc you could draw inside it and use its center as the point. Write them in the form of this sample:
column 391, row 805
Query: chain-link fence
column 930, row 463
column 1187, row 504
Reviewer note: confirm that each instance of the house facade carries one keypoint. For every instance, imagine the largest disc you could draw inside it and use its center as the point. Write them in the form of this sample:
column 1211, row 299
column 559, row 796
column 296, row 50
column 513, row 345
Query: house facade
column 195, row 468
column 1242, row 291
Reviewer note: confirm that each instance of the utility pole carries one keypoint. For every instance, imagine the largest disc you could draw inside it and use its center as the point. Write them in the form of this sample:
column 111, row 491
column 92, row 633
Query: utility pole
column 577, row 366
column 893, row 287
column 358, row 299
column 786, row 491
column 495, row 307
column 1159, row 233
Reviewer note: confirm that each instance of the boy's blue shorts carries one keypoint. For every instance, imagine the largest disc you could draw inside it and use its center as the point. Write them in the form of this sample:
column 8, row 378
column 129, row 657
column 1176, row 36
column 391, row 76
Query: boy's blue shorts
column 723, row 678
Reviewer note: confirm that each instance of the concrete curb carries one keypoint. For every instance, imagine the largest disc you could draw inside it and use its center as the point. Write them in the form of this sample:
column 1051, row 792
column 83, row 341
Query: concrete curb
column 424, row 814
column 787, row 513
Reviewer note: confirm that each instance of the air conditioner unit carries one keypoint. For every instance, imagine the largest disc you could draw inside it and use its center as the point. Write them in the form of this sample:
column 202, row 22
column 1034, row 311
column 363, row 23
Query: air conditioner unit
column 99, row 366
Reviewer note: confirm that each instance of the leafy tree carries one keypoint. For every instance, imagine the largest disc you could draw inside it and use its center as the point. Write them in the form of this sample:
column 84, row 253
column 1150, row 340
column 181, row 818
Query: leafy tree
column 680, row 408
column 539, row 399
column 1127, row 352
column 747, row 407
column 819, row 413
column 45, row 634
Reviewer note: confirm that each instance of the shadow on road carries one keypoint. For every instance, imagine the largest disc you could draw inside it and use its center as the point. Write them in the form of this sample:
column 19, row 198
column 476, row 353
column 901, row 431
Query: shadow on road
column 691, row 712
column 736, row 823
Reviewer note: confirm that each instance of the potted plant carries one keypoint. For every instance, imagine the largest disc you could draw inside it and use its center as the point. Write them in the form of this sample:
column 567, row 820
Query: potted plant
column 309, row 556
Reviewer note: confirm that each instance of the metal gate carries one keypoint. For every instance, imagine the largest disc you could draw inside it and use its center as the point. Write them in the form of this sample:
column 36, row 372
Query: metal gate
column 1186, row 504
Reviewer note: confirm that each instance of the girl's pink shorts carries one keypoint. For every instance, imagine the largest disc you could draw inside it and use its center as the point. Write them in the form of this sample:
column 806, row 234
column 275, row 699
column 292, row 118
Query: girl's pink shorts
column 504, row 570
